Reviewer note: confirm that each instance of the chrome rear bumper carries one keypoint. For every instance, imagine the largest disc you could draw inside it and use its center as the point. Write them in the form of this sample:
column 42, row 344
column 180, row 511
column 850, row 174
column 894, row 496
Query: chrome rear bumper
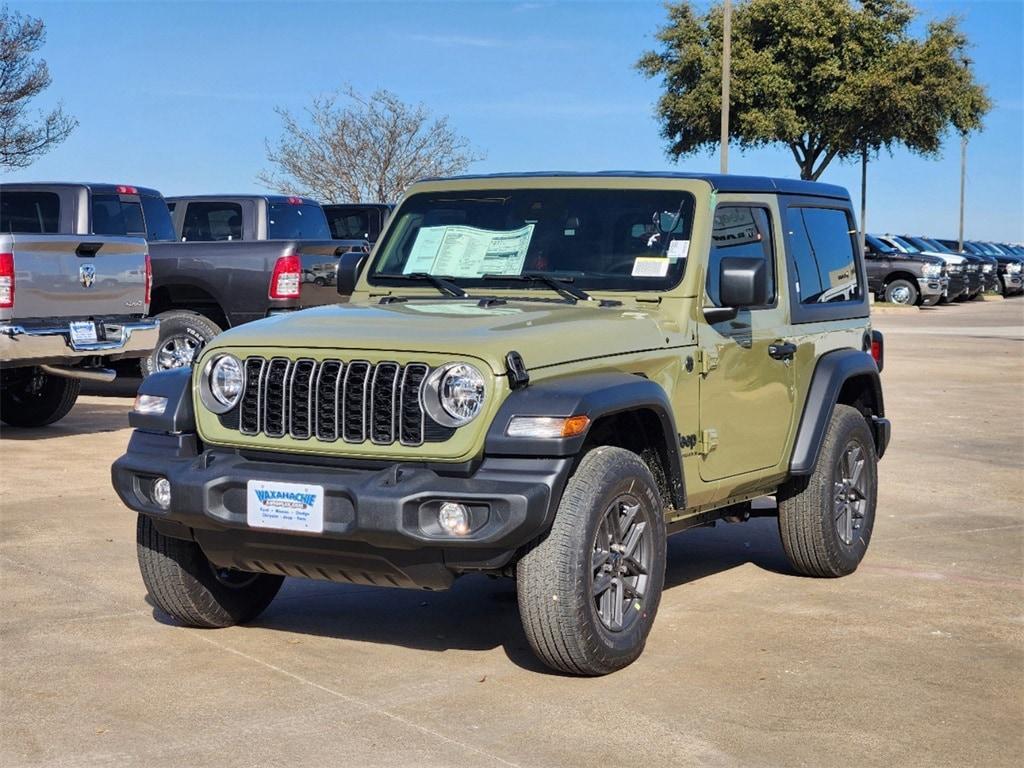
column 37, row 346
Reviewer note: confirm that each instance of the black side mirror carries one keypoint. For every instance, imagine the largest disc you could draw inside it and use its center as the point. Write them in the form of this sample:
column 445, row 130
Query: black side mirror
column 349, row 266
column 742, row 282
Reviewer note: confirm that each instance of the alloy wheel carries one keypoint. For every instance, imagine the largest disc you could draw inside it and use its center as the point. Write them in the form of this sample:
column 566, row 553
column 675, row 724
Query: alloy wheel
column 621, row 563
column 850, row 498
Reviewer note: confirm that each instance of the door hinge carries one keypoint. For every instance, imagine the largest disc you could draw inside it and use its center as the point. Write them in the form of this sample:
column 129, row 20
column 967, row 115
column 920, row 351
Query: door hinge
column 708, row 441
column 707, row 361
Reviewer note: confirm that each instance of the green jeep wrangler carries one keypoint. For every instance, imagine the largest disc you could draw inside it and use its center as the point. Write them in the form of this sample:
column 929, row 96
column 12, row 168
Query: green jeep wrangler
column 540, row 376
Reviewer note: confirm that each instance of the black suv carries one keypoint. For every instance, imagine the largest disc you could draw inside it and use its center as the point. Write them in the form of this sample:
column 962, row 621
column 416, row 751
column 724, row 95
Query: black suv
column 904, row 278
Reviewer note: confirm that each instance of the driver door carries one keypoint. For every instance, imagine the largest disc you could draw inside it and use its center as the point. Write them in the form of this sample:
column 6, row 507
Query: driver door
column 747, row 392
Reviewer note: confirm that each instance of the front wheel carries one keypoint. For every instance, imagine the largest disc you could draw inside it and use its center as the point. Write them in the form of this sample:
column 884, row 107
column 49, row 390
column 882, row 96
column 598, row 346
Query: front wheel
column 826, row 519
column 184, row 584
column 32, row 398
column 589, row 591
column 901, row 292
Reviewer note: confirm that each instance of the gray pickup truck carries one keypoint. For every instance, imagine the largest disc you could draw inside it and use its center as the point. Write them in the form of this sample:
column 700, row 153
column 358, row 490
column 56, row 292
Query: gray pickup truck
column 218, row 260
column 69, row 306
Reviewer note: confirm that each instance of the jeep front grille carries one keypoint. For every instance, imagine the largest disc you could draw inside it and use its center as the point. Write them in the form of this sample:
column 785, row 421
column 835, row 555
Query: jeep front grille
column 328, row 400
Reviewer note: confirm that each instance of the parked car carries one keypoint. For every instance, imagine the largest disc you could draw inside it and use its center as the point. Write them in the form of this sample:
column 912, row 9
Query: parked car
column 69, row 306
column 988, row 266
column 218, row 261
column 1006, row 272
column 993, row 250
column 974, row 266
column 960, row 285
column 357, row 221
column 903, row 278
column 543, row 381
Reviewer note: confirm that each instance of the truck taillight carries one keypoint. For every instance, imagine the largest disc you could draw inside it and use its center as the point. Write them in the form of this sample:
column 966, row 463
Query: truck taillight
column 286, row 280
column 294, row 200
column 6, row 280
column 124, row 189
column 149, row 279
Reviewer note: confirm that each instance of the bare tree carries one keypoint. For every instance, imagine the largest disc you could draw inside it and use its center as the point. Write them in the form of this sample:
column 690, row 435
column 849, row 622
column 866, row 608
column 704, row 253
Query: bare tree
column 23, row 137
column 369, row 149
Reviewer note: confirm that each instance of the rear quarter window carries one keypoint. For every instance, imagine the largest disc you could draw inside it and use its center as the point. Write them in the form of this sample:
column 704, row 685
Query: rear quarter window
column 29, row 212
column 286, row 221
column 823, row 255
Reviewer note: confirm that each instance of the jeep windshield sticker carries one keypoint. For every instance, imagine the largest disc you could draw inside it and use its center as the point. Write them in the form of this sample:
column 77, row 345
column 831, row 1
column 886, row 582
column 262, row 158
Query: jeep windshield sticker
column 462, row 251
column 678, row 249
column 650, row 266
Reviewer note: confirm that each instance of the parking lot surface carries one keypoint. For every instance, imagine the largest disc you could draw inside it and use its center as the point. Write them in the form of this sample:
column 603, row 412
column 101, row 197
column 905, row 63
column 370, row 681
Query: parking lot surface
column 917, row 659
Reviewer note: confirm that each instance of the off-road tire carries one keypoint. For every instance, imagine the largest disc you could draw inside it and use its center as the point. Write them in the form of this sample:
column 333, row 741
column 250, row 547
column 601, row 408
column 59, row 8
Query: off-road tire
column 807, row 517
column 555, row 579
column 901, row 283
column 185, row 585
column 189, row 327
column 37, row 400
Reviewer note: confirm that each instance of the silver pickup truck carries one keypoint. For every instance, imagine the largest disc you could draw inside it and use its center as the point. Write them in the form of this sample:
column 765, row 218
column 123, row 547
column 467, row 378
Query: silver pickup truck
column 218, row 260
column 69, row 306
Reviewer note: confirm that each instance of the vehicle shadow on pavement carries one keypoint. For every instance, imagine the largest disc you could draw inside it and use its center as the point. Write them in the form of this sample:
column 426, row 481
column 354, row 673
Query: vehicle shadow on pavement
column 85, row 419
column 480, row 613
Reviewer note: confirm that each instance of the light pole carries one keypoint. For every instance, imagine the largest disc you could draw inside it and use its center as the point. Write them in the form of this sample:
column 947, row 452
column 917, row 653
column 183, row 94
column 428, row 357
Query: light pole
column 963, row 184
column 726, row 65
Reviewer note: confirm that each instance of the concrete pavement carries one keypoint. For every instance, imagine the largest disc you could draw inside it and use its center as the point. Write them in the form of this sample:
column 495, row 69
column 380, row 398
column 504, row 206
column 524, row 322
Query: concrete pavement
column 915, row 660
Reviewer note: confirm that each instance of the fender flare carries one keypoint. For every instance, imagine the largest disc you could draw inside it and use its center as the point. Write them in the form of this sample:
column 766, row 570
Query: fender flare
column 178, row 416
column 596, row 395
column 832, row 371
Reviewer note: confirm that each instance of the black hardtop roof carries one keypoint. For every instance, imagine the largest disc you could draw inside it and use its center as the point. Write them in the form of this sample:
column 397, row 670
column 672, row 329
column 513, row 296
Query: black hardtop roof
column 245, row 196
column 93, row 186
column 719, row 182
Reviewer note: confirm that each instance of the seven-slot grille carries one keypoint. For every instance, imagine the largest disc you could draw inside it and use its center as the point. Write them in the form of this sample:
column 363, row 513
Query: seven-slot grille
column 331, row 400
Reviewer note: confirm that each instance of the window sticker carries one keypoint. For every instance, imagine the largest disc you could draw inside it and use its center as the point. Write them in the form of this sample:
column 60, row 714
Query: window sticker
column 650, row 266
column 461, row 251
column 679, row 249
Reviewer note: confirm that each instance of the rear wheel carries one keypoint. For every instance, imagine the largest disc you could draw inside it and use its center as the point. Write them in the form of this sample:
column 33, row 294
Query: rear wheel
column 826, row 519
column 183, row 583
column 182, row 334
column 588, row 592
column 901, row 291
column 32, row 398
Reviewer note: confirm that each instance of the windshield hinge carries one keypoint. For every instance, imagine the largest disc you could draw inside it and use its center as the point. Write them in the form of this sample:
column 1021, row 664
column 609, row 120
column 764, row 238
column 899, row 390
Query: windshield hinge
column 707, row 361
column 708, row 441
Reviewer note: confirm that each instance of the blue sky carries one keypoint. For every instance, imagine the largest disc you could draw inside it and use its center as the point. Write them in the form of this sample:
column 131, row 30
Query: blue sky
column 181, row 96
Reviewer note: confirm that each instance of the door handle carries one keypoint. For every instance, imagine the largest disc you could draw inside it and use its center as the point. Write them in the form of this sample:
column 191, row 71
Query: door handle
column 781, row 350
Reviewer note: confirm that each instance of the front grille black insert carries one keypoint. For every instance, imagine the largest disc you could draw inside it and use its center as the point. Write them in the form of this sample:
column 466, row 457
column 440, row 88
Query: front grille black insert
column 332, row 400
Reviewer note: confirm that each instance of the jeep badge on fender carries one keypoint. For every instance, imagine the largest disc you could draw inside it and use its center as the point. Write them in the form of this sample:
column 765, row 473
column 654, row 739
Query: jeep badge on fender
column 539, row 376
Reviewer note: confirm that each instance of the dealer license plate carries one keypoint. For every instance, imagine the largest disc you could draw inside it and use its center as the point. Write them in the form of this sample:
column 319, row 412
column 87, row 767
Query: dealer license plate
column 285, row 506
column 83, row 332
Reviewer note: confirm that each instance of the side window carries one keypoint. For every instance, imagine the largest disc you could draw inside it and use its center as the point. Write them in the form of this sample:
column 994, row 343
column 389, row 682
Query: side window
column 743, row 231
column 822, row 244
column 206, row 221
column 158, row 219
column 29, row 212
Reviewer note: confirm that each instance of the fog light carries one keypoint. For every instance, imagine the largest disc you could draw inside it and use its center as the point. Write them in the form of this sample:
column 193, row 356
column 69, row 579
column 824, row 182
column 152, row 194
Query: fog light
column 162, row 493
column 454, row 518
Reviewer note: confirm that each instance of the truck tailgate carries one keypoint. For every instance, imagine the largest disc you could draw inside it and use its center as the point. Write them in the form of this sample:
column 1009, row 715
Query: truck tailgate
column 77, row 276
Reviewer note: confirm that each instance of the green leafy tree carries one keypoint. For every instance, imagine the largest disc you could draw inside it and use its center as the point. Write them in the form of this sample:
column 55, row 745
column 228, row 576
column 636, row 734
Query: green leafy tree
column 828, row 78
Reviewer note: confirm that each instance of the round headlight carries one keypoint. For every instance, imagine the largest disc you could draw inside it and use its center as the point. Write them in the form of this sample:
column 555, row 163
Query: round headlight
column 221, row 384
column 454, row 394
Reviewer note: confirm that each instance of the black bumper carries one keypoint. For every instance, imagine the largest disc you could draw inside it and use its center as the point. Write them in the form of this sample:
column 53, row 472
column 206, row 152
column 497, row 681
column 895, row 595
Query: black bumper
column 380, row 520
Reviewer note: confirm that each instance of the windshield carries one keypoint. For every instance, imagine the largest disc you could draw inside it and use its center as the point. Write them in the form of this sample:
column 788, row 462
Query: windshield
column 934, row 245
column 903, row 244
column 600, row 239
column 286, row 221
column 877, row 245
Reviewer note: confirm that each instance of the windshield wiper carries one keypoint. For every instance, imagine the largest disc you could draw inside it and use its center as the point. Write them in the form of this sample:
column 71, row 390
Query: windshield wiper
column 443, row 283
column 561, row 285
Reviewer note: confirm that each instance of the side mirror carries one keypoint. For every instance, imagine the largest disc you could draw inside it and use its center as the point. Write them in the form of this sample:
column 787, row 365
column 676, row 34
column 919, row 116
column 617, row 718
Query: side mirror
column 349, row 266
column 742, row 282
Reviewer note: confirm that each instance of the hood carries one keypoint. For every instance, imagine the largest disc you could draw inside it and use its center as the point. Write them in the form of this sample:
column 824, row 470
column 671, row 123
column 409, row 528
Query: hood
column 545, row 333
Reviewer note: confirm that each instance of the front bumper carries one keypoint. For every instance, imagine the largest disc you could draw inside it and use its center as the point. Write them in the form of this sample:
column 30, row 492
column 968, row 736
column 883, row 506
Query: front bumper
column 931, row 289
column 1012, row 283
column 22, row 345
column 380, row 519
